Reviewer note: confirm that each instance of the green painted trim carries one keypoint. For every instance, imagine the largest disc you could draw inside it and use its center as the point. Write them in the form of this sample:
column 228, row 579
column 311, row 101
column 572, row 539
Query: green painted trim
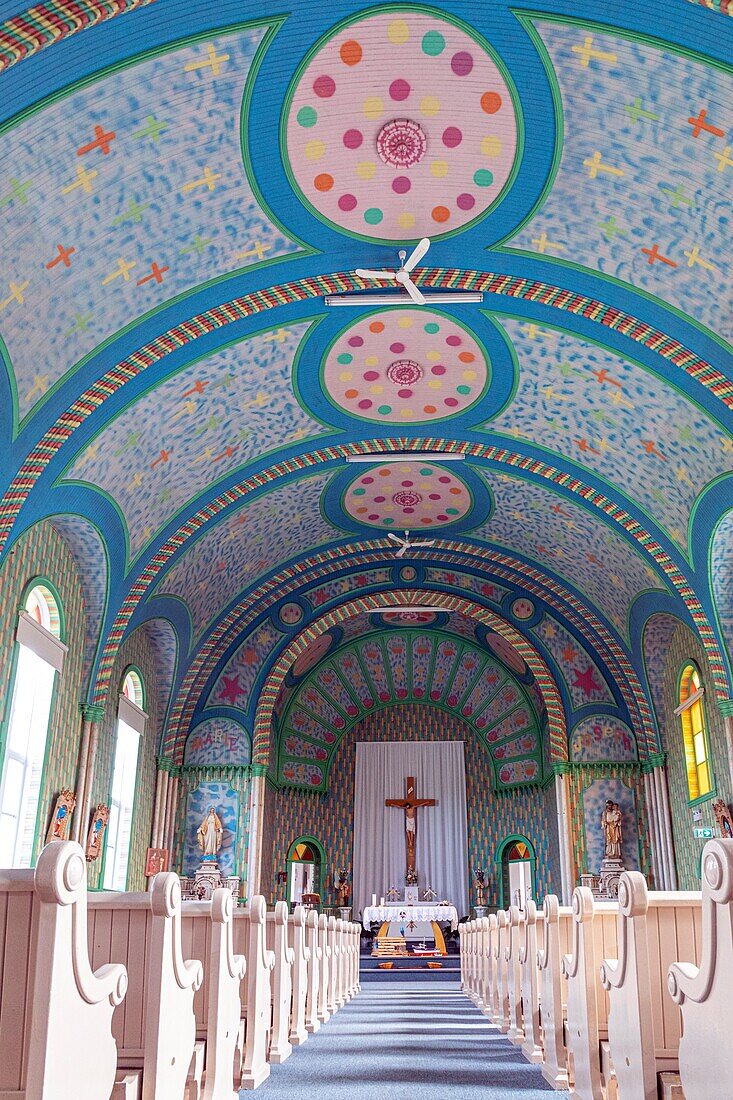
column 480, row 41
column 92, row 712
column 513, row 838
column 690, row 663
column 662, row 46
column 143, row 689
column 320, row 868
column 259, row 769
column 399, row 424
column 40, row 580
column 272, row 25
column 725, row 706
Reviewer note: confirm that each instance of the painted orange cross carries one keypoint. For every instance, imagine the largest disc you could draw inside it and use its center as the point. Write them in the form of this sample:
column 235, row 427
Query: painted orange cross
column 62, row 258
column 602, row 376
column 197, row 387
column 156, row 273
column 101, row 141
column 650, row 448
column 162, row 457
column 654, row 254
column 700, row 123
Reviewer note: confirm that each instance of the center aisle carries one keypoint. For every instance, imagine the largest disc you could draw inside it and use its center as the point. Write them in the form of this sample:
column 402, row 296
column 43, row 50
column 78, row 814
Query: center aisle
column 395, row 1038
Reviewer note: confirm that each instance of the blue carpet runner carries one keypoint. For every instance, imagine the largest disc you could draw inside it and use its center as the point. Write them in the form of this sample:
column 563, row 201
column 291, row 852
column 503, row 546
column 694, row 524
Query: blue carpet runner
column 396, row 1041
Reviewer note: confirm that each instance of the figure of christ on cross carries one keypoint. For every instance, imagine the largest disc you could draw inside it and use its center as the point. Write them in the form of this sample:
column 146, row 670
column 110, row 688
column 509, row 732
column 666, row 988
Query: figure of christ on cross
column 410, row 805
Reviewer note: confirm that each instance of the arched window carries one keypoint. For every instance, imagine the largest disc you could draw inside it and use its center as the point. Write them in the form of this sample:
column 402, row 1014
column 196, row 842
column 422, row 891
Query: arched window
column 130, row 727
column 40, row 655
column 305, row 867
column 694, row 733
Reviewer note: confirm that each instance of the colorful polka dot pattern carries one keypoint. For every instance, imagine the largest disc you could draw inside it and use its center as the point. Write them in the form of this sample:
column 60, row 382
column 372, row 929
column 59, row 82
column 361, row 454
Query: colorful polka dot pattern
column 414, row 496
column 405, row 366
column 401, row 126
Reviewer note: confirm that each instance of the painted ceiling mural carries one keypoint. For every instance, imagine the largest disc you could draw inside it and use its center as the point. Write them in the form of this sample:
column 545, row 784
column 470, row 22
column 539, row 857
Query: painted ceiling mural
column 643, row 200
column 178, row 193
column 151, row 473
column 140, row 195
column 403, row 666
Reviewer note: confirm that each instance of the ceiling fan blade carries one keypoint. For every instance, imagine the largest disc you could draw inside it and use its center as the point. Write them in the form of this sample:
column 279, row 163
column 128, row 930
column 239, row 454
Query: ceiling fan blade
column 401, row 552
column 417, row 296
column 419, row 251
column 363, row 273
column 431, row 543
column 395, row 538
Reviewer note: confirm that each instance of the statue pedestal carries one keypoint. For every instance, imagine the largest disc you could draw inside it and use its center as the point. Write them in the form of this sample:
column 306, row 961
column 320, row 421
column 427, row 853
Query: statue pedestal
column 480, row 911
column 611, row 871
column 208, row 878
column 345, row 911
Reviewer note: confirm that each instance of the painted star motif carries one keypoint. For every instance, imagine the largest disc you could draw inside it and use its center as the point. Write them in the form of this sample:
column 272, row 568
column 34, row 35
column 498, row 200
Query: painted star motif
column 586, row 681
column 232, row 689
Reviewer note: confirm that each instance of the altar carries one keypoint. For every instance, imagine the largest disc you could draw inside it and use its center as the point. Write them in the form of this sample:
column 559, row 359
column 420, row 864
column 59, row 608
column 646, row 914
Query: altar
column 399, row 914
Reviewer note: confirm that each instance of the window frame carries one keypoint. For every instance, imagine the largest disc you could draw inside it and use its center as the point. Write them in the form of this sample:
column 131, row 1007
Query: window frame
column 688, row 669
column 49, row 646
column 136, row 718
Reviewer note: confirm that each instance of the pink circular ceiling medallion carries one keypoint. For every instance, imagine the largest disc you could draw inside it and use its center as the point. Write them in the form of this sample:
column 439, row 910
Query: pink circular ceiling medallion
column 401, row 143
column 401, row 125
column 405, row 365
column 417, row 496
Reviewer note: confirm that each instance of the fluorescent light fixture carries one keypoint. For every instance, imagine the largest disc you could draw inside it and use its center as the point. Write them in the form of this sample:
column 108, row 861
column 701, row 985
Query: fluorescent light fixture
column 457, row 297
column 408, row 456
column 403, row 607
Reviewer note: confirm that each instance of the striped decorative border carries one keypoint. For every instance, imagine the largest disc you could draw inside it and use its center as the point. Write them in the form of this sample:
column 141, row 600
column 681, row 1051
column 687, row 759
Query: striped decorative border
column 315, row 287
column 261, row 736
column 36, row 28
column 500, row 455
column 725, row 7
column 501, row 565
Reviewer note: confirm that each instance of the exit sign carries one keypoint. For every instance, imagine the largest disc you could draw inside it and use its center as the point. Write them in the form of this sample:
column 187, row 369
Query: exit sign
column 704, row 833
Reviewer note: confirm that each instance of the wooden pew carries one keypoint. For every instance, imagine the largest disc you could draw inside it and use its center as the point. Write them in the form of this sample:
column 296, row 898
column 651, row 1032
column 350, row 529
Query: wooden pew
column 324, row 1012
column 334, row 940
column 528, row 962
column 644, row 1025
column 155, row 1026
column 250, row 940
column 484, row 977
column 490, row 932
column 594, row 938
column 206, row 933
column 462, row 943
column 301, row 954
column 514, row 977
column 55, row 1011
column 557, row 922
column 312, row 1023
column 469, row 946
column 282, row 982
column 704, row 993
column 500, row 1014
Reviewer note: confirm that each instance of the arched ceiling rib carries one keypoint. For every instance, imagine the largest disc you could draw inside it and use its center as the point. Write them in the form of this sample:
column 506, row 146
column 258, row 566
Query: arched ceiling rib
column 202, row 427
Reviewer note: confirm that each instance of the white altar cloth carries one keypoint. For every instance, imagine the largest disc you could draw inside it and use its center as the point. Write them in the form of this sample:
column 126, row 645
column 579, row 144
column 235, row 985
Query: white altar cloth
column 393, row 912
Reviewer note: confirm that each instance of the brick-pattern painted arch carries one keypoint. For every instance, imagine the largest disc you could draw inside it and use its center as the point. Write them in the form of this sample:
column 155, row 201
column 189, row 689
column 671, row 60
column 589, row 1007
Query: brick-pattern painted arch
column 262, row 734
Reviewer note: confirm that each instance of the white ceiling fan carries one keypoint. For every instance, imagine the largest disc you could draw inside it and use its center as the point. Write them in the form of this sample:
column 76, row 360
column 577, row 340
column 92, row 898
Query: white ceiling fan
column 405, row 544
column 402, row 275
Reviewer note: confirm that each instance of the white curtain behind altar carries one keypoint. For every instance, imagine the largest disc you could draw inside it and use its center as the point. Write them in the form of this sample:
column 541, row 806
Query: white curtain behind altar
column 379, row 831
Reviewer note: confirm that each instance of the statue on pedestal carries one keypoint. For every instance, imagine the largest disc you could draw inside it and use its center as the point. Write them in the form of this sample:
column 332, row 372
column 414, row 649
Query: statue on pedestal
column 341, row 884
column 611, row 824
column 479, row 878
column 209, row 834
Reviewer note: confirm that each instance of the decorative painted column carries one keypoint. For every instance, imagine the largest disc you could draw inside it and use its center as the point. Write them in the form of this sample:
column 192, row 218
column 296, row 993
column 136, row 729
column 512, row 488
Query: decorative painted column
column 568, row 870
column 91, row 716
column 256, row 820
column 726, row 709
column 660, row 820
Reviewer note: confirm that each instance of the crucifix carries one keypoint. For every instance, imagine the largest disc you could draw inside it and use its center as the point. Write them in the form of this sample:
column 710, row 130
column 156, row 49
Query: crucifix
column 410, row 805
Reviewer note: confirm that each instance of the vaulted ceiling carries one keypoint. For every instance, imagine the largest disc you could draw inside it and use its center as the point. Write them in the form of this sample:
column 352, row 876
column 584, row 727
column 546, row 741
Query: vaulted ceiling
column 182, row 184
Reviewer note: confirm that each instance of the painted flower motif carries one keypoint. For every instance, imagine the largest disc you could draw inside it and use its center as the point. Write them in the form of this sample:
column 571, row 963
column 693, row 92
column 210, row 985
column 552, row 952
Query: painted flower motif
column 401, row 143
column 407, row 498
column 404, row 372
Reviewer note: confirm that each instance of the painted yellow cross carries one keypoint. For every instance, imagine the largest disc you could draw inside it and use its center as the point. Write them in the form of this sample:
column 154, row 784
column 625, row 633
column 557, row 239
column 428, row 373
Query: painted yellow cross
column 586, row 53
column 595, row 165
column 258, row 249
column 16, row 293
column 724, row 159
column 40, row 385
column 209, row 180
column 123, row 270
column 542, row 244
column 83, row 179
column 213, row 61
column 693, row 257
